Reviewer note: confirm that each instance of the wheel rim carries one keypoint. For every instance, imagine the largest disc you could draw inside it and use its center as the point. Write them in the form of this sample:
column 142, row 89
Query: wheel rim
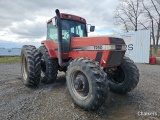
column 43, row 67
column 79, row 85
column 118, row 76
column 24, row 68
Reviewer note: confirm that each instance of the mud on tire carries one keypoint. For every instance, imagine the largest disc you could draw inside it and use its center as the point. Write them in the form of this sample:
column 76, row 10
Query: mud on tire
column 125, row 78
column 49, row 66
column 87, row 83
column 30, row 65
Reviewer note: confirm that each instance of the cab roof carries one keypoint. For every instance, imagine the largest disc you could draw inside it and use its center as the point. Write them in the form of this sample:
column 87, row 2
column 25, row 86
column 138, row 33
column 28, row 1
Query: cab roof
column 69, row 17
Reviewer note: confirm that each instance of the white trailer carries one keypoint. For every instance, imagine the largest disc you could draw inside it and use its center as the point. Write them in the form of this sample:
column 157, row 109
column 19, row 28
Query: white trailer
column 138, row 45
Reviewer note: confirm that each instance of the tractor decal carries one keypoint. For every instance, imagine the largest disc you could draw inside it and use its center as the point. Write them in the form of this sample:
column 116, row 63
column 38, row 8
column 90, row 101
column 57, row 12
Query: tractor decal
column 101, row 47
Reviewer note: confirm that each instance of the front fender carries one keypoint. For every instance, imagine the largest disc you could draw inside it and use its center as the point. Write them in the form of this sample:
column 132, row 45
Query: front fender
column 51, row 47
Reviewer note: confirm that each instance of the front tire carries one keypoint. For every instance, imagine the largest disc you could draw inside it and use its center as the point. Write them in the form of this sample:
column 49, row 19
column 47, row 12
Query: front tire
column 49, row 66
column 87, row 83
column 125, row 78
column 30, row 66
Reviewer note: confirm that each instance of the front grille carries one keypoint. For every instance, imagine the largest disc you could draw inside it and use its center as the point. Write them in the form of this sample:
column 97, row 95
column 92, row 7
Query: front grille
column 118, row 47
column 115, row 58
column 117, row 41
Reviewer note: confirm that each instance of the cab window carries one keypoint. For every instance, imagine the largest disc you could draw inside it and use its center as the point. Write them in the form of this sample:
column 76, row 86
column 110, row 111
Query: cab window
column 52, row 32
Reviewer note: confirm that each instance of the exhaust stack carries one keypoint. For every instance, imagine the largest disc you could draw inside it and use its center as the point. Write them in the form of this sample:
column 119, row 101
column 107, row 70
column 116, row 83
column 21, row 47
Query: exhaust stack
column 60, row 47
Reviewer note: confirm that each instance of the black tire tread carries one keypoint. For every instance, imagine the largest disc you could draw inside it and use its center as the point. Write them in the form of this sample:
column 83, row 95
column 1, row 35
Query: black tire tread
column 52, row 69
column 132, row 77
column 34, row 68
column 98, row 76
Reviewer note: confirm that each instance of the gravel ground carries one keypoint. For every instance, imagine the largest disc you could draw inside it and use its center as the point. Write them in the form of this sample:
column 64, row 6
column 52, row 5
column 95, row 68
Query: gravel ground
column 52, row 102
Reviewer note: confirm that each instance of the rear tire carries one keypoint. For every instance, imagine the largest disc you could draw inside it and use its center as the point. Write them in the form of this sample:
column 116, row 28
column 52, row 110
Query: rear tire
column 125, row 78
column 30, row 65
column 87, row 83
column 49, row 66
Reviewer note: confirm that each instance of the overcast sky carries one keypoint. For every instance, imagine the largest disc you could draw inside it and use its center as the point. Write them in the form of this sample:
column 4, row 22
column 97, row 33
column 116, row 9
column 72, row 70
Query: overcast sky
column 24, row 21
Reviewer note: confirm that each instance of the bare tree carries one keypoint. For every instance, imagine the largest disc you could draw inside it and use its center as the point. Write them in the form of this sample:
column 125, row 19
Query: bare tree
column 140, row 14
column 128, row 13
column 153, row 14
column 158, row 1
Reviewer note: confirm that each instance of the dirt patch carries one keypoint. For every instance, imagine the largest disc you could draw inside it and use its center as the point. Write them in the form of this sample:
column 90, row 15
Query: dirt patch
column 53, row 102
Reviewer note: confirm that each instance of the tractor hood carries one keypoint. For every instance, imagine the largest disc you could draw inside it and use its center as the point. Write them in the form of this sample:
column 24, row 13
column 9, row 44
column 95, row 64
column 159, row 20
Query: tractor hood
column 97, row 43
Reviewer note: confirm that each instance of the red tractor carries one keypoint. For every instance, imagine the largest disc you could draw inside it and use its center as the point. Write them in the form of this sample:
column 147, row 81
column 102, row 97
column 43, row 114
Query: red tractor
column 93, row 65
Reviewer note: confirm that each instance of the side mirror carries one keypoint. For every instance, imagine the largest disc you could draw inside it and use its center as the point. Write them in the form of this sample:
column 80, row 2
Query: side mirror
column 92, row 28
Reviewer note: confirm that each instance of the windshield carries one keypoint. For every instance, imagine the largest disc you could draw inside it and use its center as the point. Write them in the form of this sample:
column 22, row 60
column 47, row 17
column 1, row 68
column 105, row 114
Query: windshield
column 69, row 29
column 73, row 29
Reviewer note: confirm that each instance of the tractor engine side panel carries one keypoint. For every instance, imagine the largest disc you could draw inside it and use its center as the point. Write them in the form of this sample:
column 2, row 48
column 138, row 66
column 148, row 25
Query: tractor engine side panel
column 99, row 56
column 100, row 49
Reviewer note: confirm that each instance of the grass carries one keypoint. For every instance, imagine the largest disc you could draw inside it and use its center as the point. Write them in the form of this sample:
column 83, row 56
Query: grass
column 9, row 59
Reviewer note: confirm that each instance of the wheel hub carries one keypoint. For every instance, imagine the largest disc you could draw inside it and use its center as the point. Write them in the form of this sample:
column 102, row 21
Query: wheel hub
column 117, row 76
column 80, row 85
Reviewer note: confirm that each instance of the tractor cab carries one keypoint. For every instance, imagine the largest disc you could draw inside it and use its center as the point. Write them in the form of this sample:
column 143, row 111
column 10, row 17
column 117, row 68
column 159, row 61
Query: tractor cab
column 71, row 26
